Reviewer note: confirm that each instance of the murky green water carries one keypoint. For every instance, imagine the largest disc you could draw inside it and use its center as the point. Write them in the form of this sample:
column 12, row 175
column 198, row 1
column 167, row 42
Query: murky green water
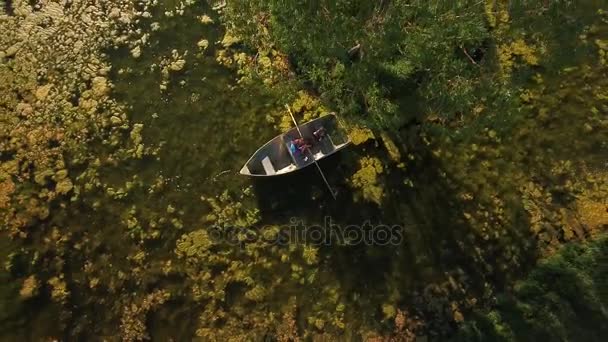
column 206, row 126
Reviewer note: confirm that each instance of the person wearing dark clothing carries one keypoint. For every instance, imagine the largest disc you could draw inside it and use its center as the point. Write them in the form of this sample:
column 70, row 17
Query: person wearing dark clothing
column 320, row 133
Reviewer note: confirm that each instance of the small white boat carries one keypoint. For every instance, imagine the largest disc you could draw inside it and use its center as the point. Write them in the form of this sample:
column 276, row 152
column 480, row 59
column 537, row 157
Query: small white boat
column 276, row 158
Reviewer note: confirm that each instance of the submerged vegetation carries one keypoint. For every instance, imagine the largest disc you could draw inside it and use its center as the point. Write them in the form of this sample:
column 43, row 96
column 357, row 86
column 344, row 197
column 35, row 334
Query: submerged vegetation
column 570, row 308
column 479, row 128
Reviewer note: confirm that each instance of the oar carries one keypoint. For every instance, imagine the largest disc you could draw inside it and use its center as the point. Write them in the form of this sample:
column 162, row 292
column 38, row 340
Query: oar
column 333, row 194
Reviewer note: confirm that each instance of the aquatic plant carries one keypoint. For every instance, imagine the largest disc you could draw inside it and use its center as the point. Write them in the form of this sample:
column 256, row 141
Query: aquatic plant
column 30, row 287
column 246, row 269
column 268, row 65
column 304, row 107
column 368, row 181
column 65, row 103
column 205, row 19
column 518, row 48
column 59, row 291
column 359, row 135
column 505, row 143
column 132, row 322
column 391, row 148
column 545, row 307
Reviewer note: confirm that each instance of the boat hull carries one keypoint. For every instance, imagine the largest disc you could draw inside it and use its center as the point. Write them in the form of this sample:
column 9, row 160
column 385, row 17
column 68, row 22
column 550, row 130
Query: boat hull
column 275, row 158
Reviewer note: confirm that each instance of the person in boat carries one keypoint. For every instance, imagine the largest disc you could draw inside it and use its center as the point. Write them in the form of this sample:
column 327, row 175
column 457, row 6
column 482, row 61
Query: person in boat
column 298, row 147
column 320, row 133
column 303, row 144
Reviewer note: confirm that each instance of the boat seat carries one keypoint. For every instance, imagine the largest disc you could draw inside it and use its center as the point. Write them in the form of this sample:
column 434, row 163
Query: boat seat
column 287, row 169
column 327, row 145
column 268, row 167
column 331, row 141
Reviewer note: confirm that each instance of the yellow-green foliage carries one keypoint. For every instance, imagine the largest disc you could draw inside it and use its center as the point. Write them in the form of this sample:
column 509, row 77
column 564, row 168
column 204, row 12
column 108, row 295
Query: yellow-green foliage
column 389, row 311
column 508, row 53
column 602, row 51
column 367, row 179
column 308, row 106
column 497, row 15
column 226, row 211
column 592, row 205
column 509, row 50
column 257, row 271
column 7, row 187
column 195, row 244
column 477, row 172
column 29, row 288
column 59, row 291
column 594, row 214
column 56, row 101
column 358, row 135
column 64, row 184
column 391, row 148
column 205, row 19
column 64, row 138
column 230, row 38
column 304, row 107
column 268, row 66
column 310, row 255
column 133, row 320
column 256, row 294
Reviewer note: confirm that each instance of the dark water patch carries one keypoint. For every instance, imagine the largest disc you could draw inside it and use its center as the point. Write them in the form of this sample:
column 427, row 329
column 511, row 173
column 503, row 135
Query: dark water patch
column 436, row 239
column 303, row 193
column 7, row 7
column 175, row 320
column 559, row 25
column 7, row 155
column 75, row 97
column 206, row 129
column 16, row 313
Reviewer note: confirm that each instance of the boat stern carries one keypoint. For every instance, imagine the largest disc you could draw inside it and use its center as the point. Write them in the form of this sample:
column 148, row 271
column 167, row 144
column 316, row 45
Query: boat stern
column 245, row 171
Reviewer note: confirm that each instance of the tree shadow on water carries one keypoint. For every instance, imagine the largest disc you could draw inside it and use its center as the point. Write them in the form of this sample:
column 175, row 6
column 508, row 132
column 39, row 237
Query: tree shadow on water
column 304, row 195
column 441, row 258
column 450, row 258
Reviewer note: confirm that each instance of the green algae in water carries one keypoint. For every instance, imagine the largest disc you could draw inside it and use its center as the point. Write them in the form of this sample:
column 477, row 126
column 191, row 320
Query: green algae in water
column 204, row 124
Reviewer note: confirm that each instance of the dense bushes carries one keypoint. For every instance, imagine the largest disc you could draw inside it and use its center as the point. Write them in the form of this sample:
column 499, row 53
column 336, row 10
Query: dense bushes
column 371, row 58
column 563, row 299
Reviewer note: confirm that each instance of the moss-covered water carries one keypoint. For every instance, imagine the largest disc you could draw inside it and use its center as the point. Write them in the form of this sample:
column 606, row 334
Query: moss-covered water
column 127, row 249
column 207, row 125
